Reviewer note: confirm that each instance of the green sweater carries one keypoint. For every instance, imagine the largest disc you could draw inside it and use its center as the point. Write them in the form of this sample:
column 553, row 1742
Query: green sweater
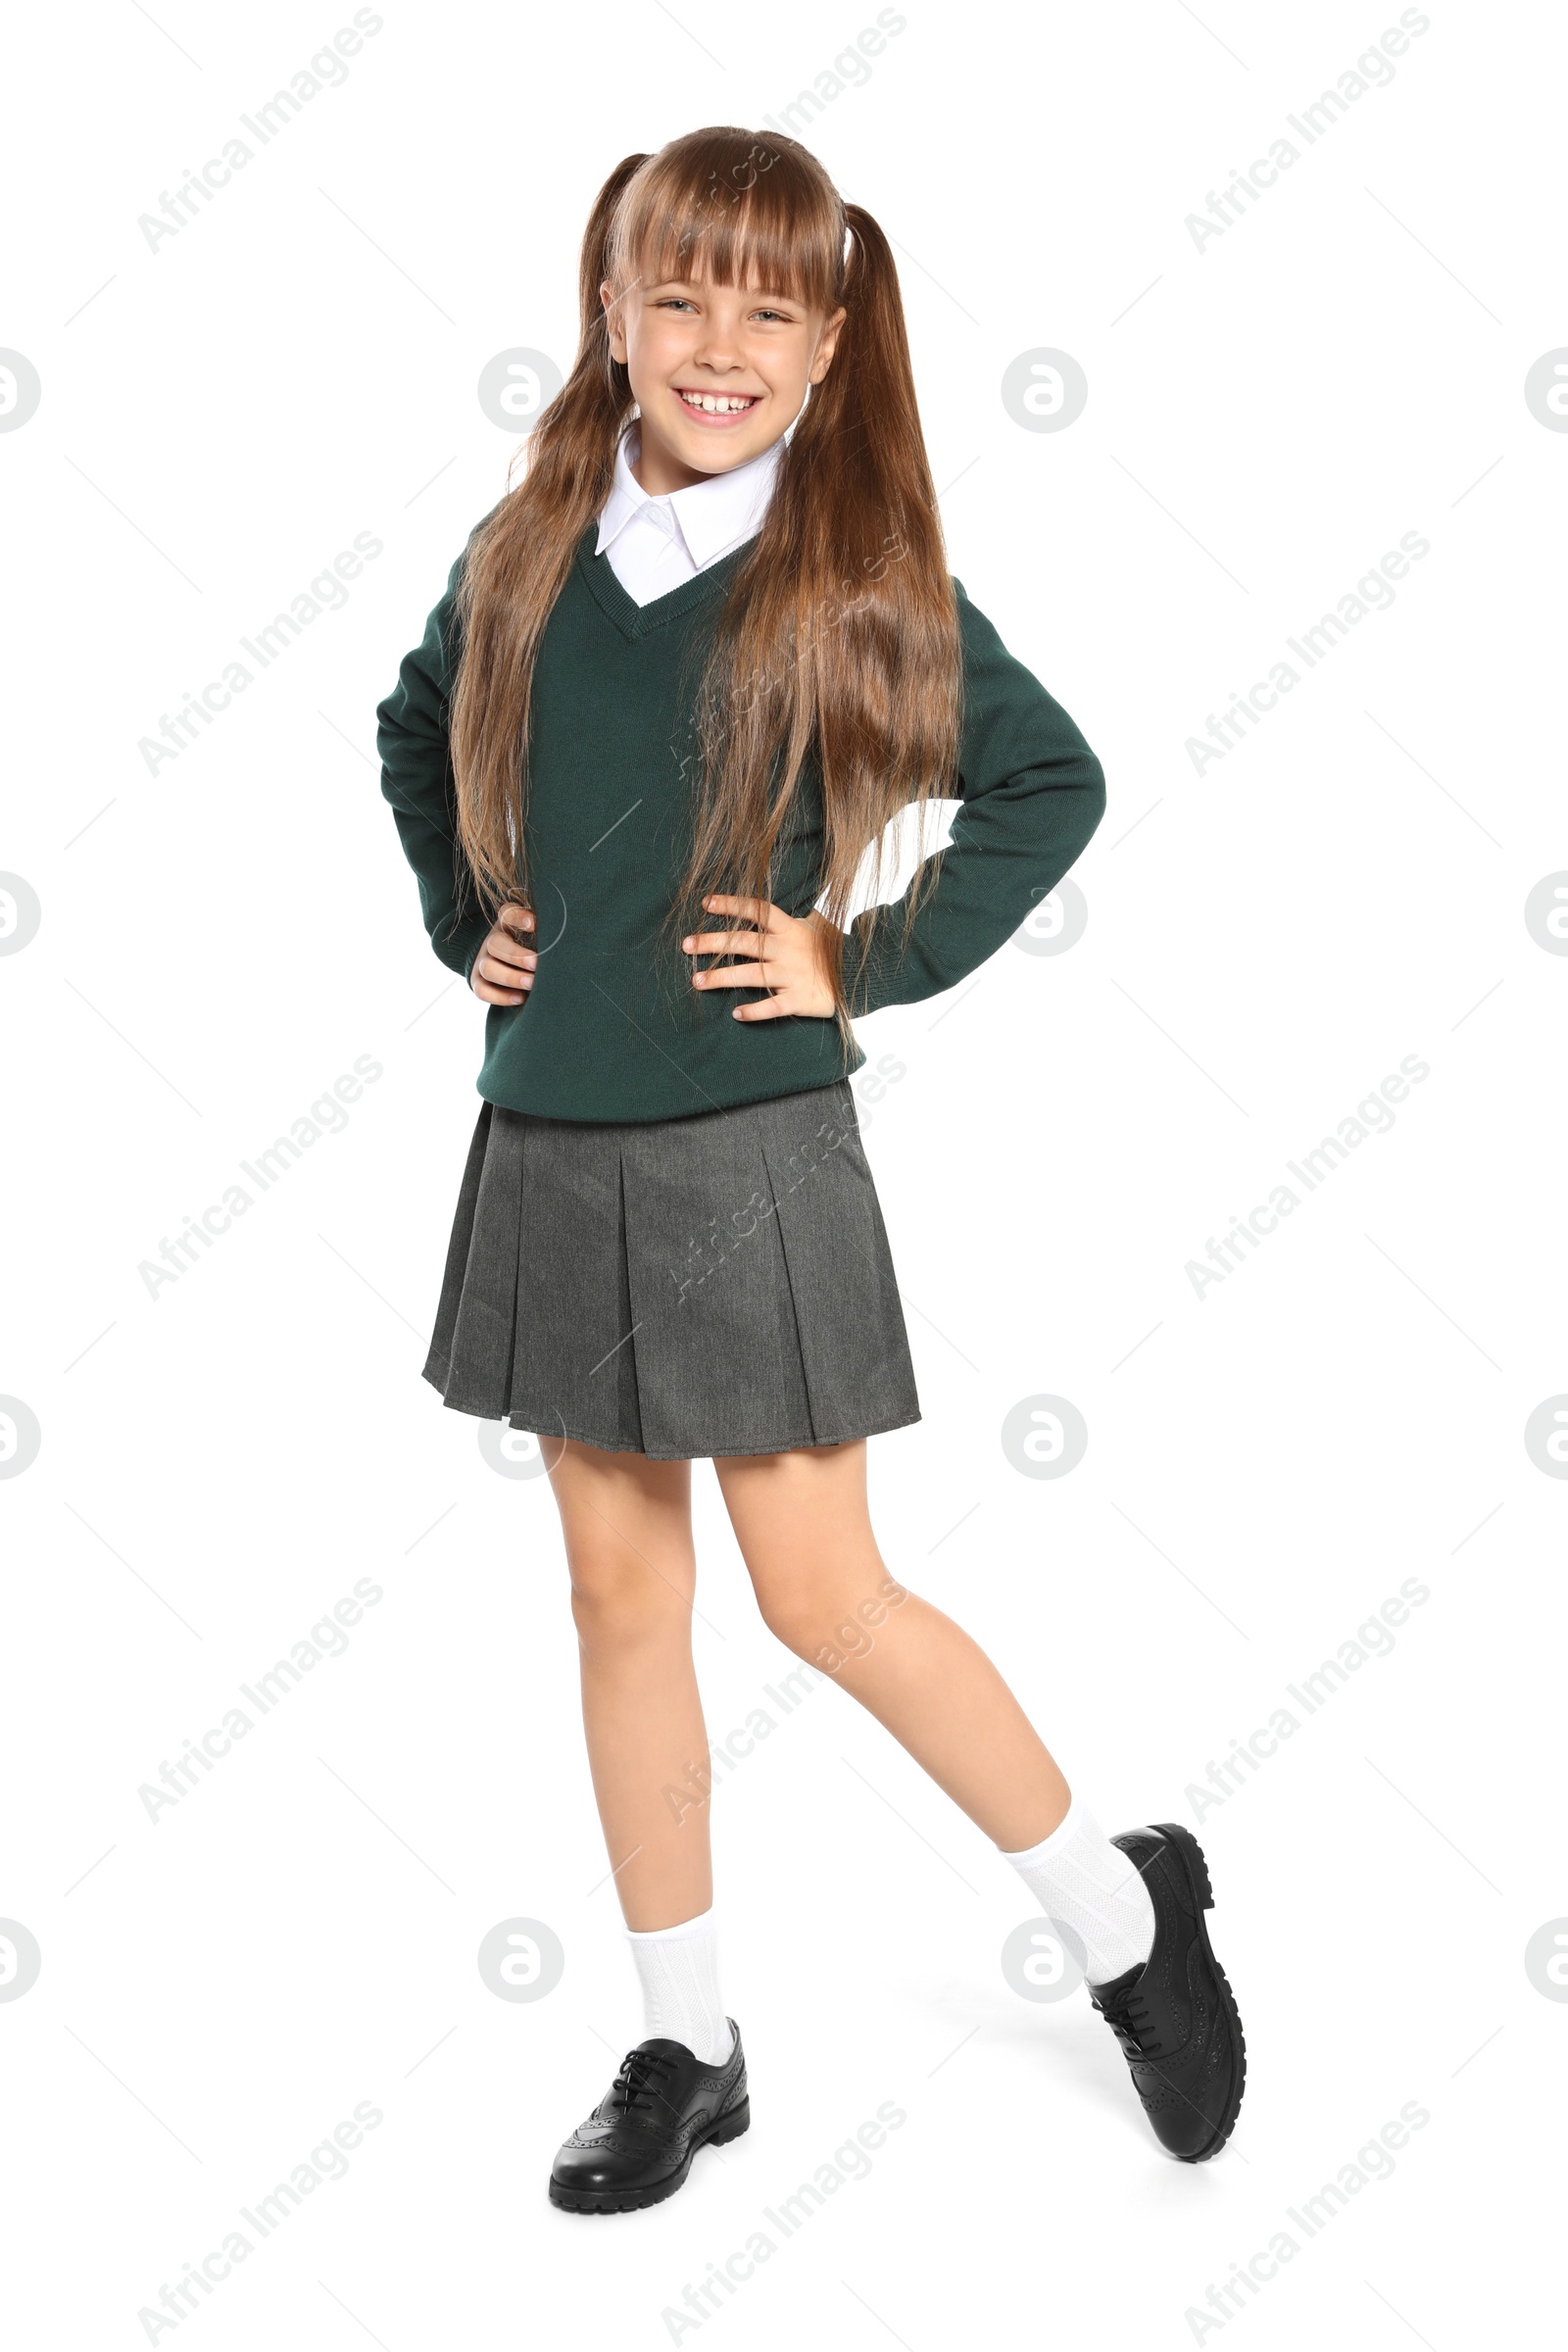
column 613, row 1028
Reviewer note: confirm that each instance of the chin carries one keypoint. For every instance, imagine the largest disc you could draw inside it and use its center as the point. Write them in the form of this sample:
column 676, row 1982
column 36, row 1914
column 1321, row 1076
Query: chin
column 707, row 459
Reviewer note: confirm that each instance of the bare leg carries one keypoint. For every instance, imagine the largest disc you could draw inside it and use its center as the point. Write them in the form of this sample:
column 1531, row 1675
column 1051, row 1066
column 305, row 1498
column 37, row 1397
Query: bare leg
column 805, row 1530
column 627, row 1526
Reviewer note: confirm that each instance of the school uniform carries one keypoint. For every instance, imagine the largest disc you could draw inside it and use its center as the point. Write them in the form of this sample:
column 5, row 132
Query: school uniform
column 667, row 1237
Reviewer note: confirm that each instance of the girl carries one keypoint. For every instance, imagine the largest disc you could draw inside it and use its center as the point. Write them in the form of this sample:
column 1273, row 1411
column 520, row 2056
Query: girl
column 680, row 682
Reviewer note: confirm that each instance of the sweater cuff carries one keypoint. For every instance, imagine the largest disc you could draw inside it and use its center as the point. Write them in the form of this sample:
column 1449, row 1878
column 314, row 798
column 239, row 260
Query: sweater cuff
column 460, row 948
column 471, row 949
column 870, row 958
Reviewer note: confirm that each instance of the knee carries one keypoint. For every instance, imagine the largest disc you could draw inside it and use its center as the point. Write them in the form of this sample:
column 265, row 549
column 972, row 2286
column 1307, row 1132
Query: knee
column 828, row 1624
column 620, row 1601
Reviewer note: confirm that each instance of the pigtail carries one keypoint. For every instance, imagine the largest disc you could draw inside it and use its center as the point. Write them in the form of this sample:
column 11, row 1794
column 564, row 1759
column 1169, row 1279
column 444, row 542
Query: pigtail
column 840, row 642
column 516, row 566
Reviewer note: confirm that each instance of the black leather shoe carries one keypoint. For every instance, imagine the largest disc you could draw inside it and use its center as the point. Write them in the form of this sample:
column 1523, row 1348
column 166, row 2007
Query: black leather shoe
column 1174, row 2014
column 637, row 2145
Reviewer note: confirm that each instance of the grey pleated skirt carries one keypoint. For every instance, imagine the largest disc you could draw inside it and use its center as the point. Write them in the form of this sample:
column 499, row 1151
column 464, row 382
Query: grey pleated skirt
column 712, row 1285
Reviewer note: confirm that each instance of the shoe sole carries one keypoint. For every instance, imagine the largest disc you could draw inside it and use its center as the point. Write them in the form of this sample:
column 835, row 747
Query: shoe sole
column 1191, row 1854
column 726, row 2127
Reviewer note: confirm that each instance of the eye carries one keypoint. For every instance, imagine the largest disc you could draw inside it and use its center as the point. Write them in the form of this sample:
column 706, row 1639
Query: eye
column 675, row 302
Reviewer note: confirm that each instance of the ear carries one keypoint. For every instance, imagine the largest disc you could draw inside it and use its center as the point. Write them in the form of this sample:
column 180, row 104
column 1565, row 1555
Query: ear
column 614, row 322
column 827, row 343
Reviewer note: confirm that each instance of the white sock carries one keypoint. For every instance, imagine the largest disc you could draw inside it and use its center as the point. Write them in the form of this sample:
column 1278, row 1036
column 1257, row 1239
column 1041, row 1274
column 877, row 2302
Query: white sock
column 679, row 1971
column 1079, row 1878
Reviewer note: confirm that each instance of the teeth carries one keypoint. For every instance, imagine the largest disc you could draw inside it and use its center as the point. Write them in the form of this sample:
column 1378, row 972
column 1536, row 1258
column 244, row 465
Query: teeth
column 718, row 403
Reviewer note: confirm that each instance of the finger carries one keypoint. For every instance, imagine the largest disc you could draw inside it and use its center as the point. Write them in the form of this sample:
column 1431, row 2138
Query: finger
column 515, row 918
column 501, row 947
column 770, row 1008
column 733, row 975
column 723, row 942
column 503, row 978
column 497, row 996
column 754, row 911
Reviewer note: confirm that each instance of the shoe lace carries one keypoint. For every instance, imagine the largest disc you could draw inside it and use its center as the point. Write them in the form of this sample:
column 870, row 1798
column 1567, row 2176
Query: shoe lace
column 1126, row 2013
column 641, row 2079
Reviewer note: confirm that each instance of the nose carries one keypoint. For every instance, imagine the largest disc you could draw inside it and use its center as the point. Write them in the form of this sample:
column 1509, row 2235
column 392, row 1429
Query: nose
column 719, row 350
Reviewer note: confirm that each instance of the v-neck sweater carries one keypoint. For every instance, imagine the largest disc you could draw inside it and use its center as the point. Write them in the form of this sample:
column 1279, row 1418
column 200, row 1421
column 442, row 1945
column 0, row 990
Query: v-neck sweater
column 613, row 1028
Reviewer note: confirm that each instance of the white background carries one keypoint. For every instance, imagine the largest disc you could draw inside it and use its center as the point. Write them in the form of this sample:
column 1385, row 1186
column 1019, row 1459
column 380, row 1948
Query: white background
column 1266, row 1464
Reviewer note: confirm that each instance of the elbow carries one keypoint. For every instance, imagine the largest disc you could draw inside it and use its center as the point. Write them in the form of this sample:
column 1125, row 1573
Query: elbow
column 1093, row 797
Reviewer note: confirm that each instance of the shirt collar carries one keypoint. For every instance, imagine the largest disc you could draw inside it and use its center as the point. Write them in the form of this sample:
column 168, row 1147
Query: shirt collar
column 711, row 517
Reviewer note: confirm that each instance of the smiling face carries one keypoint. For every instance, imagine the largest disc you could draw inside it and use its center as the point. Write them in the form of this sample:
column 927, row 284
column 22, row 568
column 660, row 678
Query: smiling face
column 719, row 373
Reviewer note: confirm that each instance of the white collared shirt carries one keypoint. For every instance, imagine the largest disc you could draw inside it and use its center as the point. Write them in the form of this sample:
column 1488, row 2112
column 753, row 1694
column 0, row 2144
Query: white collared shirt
column 654, row 545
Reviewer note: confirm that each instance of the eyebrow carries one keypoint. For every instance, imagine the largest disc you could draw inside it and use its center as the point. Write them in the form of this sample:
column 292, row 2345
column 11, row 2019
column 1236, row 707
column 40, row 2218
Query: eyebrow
column 692, row 285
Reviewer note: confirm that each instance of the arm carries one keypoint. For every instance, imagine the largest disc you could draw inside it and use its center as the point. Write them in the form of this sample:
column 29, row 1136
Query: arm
column 417, row 779
column 1033, row 793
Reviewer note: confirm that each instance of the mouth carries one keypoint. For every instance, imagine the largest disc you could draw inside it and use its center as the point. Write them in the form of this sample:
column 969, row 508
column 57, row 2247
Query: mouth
column 717, row 408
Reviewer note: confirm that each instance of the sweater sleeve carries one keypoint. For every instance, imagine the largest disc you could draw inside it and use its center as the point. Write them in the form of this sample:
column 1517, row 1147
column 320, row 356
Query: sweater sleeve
column 1033, row 793
column 414, row 744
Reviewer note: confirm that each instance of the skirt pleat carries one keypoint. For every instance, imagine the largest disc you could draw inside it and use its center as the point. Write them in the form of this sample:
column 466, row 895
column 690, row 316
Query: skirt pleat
column 840, row 1272
column 713, row 1284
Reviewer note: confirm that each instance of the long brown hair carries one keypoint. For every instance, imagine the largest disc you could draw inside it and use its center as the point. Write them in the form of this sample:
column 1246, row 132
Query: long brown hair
column 837, row 639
